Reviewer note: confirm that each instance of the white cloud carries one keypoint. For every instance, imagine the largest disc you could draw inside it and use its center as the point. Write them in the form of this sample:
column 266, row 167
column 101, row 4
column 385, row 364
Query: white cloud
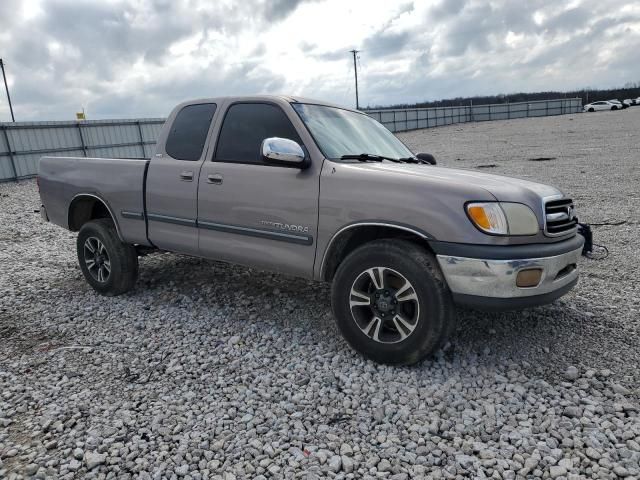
column 139, row 58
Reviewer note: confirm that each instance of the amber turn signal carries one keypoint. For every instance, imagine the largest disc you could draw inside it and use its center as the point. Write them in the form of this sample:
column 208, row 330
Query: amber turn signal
column 529, row 278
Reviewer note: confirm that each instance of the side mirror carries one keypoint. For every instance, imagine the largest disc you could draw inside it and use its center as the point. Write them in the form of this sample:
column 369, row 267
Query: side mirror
column 284, row 152
column 427, row 157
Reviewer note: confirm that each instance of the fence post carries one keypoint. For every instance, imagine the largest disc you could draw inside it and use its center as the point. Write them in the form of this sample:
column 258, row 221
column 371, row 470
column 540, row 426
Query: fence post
column 490, row 117
column 144, row 154
column 84, row 146
column 10, row 152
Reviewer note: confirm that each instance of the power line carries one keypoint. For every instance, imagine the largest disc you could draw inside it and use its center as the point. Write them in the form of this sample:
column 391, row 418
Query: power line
column 355, row 71
column 6, row 87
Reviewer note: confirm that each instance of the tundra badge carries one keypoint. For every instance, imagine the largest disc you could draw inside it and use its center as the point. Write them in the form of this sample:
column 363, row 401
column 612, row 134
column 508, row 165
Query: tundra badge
column 285, row 226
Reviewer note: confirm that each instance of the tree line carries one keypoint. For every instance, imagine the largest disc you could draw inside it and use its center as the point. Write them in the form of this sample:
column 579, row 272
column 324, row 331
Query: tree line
column 630, row 90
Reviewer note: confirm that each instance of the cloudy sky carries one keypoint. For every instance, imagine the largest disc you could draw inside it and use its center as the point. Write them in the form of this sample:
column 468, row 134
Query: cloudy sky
column 138, row 58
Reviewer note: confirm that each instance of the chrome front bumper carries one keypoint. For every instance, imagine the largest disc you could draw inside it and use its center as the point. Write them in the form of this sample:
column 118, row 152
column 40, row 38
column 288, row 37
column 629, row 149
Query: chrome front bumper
column 497, row 278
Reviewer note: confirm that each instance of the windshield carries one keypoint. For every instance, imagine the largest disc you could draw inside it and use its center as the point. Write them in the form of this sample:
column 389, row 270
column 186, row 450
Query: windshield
column 341, row 132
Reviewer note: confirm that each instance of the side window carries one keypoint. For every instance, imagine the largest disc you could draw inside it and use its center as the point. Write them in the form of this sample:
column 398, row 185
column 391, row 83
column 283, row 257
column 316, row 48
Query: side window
column 244, row 128
column 189, row 131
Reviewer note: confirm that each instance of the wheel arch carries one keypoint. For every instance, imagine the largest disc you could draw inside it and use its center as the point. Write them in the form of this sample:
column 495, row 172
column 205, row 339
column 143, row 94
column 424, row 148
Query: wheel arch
column 352, row 236
column 85, row 207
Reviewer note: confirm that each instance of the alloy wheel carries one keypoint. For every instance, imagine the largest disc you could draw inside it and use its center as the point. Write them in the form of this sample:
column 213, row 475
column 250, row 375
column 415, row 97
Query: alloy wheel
column 384, row 305
column 97, row 259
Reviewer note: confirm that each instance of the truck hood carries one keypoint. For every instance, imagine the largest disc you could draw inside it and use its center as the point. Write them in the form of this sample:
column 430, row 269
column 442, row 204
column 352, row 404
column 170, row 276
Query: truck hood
column 505, row 189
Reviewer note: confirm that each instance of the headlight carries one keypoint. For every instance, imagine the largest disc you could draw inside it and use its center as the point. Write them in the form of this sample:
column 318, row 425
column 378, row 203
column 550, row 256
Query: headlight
column 503, row 218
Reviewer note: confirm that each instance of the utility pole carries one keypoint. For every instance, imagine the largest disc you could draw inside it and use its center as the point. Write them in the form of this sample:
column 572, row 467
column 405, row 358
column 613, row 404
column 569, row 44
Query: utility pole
column 13, row 119
column 355, row 69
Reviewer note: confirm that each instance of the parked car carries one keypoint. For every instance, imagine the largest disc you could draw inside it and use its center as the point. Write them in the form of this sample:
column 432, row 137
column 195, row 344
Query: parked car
column 326, row 193
column 601, row 105
column 629, row 102
column 619, row 104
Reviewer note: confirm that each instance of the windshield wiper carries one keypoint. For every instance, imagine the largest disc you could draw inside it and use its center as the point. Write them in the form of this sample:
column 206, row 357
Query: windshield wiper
column 414, row 160
column 363, row 157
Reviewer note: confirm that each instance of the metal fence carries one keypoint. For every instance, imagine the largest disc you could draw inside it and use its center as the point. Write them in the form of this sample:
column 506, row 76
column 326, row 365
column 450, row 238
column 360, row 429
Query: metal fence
column 23, row 143
column 404, row 119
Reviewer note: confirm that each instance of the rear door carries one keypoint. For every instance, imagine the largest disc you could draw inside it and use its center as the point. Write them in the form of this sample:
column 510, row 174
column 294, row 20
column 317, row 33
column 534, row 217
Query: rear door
column 253, row 213
column 172, row 179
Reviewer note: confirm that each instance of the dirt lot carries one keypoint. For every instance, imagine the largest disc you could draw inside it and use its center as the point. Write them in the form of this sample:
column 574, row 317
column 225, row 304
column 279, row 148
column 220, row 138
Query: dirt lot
column 213, row 371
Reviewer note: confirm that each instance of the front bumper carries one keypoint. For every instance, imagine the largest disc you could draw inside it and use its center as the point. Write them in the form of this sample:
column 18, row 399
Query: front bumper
column 490, row 283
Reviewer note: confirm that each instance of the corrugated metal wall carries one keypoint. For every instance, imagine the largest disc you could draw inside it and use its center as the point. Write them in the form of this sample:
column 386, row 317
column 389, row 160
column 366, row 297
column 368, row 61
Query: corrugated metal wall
column 23, row 143
column 401, row 120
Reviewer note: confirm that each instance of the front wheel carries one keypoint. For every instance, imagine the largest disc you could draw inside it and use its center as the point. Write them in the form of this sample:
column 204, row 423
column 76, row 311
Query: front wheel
column 391, row 302
column 108, row 265
column 591, row 110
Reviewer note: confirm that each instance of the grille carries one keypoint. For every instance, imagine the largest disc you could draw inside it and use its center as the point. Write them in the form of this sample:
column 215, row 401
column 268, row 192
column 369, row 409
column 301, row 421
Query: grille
column 560, row 218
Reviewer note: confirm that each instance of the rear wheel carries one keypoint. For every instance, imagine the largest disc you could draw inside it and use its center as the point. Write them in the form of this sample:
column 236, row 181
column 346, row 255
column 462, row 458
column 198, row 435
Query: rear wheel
column 614, row 108
column 108, row 265
column 391, row 302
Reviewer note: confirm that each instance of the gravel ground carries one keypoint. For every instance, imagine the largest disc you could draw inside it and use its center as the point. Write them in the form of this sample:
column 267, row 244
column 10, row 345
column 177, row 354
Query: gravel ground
column 213, row 371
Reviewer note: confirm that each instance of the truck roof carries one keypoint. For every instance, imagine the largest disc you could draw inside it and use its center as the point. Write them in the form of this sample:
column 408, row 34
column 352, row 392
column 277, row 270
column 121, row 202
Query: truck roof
column 263, row 98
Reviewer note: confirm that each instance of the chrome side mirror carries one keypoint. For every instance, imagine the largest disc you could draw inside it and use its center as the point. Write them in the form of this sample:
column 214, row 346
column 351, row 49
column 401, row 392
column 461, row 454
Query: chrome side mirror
column 284, row 152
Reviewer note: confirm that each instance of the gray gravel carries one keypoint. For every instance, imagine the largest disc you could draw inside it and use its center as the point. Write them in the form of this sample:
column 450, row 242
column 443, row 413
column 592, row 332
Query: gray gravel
column 213, row 371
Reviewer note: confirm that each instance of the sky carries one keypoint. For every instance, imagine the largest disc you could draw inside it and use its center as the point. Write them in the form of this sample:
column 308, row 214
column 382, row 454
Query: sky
column 123, row 59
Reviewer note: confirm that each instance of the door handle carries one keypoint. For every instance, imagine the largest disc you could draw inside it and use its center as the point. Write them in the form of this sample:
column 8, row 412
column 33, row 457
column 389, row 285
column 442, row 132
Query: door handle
column 186, row 176
column 215, row 179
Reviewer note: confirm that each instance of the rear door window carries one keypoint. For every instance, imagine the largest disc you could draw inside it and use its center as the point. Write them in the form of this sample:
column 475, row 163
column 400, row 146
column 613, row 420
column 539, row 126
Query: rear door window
column 189, row 131
column 244, row 128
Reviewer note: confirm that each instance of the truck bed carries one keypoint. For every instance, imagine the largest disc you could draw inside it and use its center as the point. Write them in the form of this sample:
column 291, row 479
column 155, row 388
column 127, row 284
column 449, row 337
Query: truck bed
column 118, row 182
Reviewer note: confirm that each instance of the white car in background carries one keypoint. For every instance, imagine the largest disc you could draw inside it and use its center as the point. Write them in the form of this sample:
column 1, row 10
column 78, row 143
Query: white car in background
column 618, row 103
column 602, row 105
column 629, row 102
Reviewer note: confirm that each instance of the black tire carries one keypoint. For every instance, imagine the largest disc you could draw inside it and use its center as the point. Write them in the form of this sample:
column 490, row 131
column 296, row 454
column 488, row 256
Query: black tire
column 591, row 110
column 431, row 323
column 122, row 258
column 614, row 108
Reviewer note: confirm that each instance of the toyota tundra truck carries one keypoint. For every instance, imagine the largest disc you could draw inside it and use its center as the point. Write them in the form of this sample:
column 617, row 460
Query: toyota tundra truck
column 324, row 192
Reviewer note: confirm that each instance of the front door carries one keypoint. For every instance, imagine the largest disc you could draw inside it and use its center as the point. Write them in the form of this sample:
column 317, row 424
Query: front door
column 172, row 180
column 253, row 213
